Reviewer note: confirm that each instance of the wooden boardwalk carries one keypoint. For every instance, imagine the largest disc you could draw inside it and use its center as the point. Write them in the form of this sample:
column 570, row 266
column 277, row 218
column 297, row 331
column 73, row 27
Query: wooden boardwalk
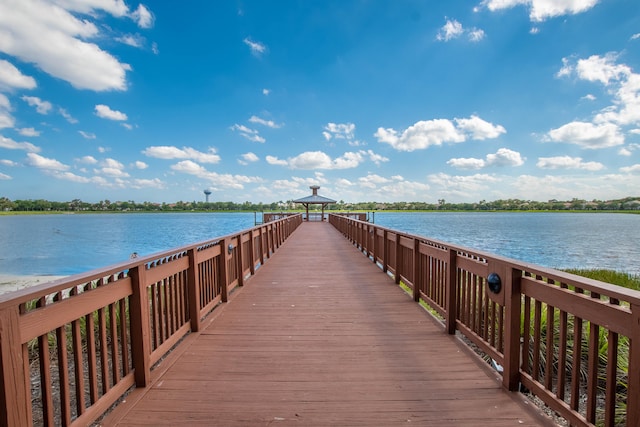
column 320, row 336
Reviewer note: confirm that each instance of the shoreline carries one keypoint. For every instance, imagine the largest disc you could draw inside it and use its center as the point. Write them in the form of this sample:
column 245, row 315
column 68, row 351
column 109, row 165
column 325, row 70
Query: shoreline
column 14, row 282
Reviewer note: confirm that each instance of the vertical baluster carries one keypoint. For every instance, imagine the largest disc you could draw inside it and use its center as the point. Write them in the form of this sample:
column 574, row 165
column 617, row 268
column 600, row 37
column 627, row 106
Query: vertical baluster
column 63, row 370
column 104, row 352
column 526, row 344
column 548, row 374
column 537, row 316
column 592, row 368
column 45, row 374
column 92, row 363
column 76, row 342
column 611, row 375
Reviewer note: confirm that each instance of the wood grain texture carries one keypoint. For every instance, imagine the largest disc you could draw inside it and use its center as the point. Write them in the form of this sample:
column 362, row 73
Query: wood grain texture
column 320, row 336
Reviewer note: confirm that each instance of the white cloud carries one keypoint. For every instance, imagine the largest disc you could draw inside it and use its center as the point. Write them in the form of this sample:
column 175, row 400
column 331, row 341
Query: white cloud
column 133, row 40
column 87, row 135
column 257, row 48
column 171, row 152
column 148, row 183
column 69, row 52
column 635, row 36
column 218, row 180
column 503, row 157
column 635, row 169
column 450, row 30
column 266, row 91
column 248, row 133
column 6, row 119
column 567, row 162
column 143, row 17
column 421, row 135
column 453, row 29
column 375, row 158
column 247, row 158
column 479, row 129
column 589, row 97
column 42, row 107
column 6, row 162
column 462, row 187
column 105, row 112
column 267, row 123
column 339, row 130
column 5, row 177
column 89, row 160
column 275, row 161
column 67, row 116
column 28, row 132
column 13, row 145
column 587, row 135
column 541, row 10
column 11, row 77
column 41, row 162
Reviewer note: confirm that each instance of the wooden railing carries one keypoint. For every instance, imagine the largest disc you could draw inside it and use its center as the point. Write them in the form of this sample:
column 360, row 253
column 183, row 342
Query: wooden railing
column 71, row 348
column 571, row 341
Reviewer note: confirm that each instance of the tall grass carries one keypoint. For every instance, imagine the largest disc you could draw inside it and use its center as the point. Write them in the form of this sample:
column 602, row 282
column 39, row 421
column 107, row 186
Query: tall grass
column 626, row 280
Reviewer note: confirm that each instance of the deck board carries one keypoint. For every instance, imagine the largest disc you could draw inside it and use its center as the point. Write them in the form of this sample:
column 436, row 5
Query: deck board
column 320, row 336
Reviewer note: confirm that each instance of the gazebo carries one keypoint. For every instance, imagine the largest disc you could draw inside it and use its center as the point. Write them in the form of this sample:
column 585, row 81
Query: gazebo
column 315, row 199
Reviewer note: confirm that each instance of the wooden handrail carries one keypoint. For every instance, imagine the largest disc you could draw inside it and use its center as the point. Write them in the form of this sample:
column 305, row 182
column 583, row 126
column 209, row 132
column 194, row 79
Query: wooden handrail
column 510, row 322
column 106, row 328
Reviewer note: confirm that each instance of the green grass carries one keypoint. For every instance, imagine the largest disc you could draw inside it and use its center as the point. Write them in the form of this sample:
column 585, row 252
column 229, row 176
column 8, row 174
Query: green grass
column 614, row 277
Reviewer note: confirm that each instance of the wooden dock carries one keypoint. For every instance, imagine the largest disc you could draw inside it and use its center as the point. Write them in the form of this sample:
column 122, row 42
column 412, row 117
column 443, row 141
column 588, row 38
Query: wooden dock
column 321, row 336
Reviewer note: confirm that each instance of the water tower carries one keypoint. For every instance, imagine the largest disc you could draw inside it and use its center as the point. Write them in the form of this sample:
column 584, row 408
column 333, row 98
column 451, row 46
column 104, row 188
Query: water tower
column 207, row 192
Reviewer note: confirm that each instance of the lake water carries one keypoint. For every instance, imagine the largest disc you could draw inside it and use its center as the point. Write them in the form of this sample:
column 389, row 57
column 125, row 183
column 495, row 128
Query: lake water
column 69, row 244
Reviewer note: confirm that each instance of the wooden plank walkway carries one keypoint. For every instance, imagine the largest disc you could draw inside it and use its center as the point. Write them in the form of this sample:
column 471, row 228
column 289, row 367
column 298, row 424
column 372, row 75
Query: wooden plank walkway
column 320, row 336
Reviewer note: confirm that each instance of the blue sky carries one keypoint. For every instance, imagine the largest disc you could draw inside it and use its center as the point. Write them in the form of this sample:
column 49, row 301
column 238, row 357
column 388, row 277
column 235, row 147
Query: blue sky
column 372, row 100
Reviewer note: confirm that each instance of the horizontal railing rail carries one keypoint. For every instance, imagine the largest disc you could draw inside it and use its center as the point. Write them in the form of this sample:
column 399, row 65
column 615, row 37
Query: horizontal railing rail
column 69, row 349
column 571, row 341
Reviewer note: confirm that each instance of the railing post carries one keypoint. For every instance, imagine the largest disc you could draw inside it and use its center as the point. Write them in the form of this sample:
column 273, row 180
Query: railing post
column 416, row 270
column 451, row 293
column 398, row 258
column 385, row 251
column 239, row 256
column 222, row 271
column 261, row 246
column 512, row 300
column 140, row 328
column 193, row 288
column 15, row 397
column 375, row 244
column 633, row 381
column 252, row 253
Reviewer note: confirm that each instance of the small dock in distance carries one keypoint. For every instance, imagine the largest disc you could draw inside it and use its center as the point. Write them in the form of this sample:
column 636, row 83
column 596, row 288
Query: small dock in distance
column 321, row 336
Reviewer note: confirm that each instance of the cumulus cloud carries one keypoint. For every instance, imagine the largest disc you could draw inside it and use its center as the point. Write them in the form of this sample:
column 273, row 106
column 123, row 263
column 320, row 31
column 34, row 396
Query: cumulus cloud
column 567, row 162
column 248, row 133
column 6, row 119
column 267, row 123
column 635, row 169
column 619, row 80
column 247, row 158
column 28, row 132
column 503, row 157
column 218, row 180
column 133, row 40
column 89, row 160
column 11, row 77
column 320, row 160
column 105, row 112
column 42, row 107
column 266, row 91
column 13, row 145
column 344, row 131
column 170, row 152
column 541, row 10
column 272, row 160
column 140, row 165
column 453, row 29
column 587, row 135
column 463, row 187
column 70, row 52
column 41, row 162
column 143, row 17
column 427, row 133
column 257, row 48
column 5, row 177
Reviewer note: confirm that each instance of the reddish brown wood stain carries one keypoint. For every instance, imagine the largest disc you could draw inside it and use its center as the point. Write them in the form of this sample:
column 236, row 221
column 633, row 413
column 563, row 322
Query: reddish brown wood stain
column 319, row 336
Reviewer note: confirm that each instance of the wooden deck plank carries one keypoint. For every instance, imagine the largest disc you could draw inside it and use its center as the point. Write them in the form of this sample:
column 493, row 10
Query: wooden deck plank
column 319, row 336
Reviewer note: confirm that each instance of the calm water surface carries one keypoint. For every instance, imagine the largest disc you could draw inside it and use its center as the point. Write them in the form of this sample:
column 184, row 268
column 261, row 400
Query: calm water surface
column 557, row 240
column 69, row 244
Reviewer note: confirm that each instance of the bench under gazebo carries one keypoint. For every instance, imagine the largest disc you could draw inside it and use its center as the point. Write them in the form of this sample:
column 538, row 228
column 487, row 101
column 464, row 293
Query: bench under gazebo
column 314, row 199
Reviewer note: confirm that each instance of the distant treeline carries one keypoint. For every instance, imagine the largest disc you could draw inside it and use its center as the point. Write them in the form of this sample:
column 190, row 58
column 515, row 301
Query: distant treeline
column 77, row 205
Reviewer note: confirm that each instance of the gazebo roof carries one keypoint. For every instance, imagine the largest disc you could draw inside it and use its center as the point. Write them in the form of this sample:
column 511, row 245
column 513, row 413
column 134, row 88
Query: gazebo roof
column 314, row 199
